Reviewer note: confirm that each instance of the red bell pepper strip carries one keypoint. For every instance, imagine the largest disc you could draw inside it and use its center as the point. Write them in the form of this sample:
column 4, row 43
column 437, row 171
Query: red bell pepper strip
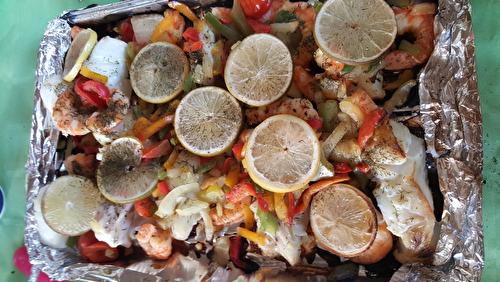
column 163, row 187
column 315, row 123
column 243, row 174
column 97, row 87
column 291, row 207
column 90, row 96
column 241, row 191
column 145, row 207
column 363, row 167
column 238, row 149
column 157, row 150
column 95, row 251
column 341, row 168
column 368, row 126
column 227, row 164
column 263, row 205
column 191, row 46
column 259, row 27
column 126, row 30
column 191, row 34
column 307, row 195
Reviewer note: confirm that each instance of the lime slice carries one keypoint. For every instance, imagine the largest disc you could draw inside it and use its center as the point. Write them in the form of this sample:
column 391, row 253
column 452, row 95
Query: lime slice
column 158, row 72
column 69, row 204
column 121, row 176
column 78, row 52
column 282, row 154
column 355, row 32
column 259, row 70
column 208, row 120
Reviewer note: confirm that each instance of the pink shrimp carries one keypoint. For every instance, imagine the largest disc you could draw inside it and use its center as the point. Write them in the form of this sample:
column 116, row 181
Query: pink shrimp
column 301, row 108
column 81, row 164
column 156, row 242
column 419, row 21
column 70, row 115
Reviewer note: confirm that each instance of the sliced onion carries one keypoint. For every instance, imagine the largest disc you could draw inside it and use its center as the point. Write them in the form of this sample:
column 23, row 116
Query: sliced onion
column 335, row 137
column 285, row 28
column 400, row 96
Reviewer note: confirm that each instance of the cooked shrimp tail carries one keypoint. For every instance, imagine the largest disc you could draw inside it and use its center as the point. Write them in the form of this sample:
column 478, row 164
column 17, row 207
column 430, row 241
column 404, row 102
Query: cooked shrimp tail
column 156, row 242
column 105, row 120
column 70, row 115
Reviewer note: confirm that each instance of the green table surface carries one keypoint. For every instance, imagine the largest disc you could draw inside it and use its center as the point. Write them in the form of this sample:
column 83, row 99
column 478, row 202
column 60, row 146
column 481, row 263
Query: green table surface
column 23, row 24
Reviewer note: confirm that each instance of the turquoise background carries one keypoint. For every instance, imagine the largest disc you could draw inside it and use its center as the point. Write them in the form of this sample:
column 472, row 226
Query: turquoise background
column 21, row 28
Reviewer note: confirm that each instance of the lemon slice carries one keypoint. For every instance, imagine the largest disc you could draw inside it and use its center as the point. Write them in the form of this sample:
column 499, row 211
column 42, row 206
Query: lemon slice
column 259, row 70
column 85, row 71
column 70, row 203
column 121, row 176
column 158, row 72
column 343, row 220
column 355, row 32
column 78, row 52
column 207, row 121
column 282, row 154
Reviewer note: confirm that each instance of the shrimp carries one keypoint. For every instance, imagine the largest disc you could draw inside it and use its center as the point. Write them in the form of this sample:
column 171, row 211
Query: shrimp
column 307, row 46
column 105, row 120
column 70, row 115
column 81, row 164
column 156, row 242
column 173, row 27
column 332, row 68
column 419, row 21
column 228, row 215
column 380, row 247
column 301, row 108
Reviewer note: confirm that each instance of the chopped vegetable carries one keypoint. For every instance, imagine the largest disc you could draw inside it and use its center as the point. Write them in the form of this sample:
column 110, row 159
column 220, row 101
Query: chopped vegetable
column 269, row 198
column 239, row 19
column 230, row 34
column 191, row 46
column 280, row 206
column 317, row 6
column 341, row 167
column 252, row 236
column 157, row 150
column 206, row 166
column 402, row 78
column 238, row 149
column 412, row 49
column 347, row 69
column 291, row 207
column 255, row 8
column 268, row 222
column 368, row 126
column 183, row 9
column 228, row 163
column 315, row 123
column 92, row 92
column 191, row 34
column 169, row 164
column 284, row 16
column 328, row 111
column 232, row 176
column 237, row 253
column 95, row 251
column 259, row 27
column 189, row 83
column 163, row 187
column 249, row 218
column 363, row 167
column 154, row 127
column 263, row 205
column 162, row 174
column 145, row 207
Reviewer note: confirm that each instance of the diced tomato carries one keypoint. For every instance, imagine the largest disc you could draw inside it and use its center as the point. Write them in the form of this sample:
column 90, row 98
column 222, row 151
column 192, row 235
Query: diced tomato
column 94, row 250
column 88, row 92
column 255, row 8
column 368, row 126
column 163, row 187
column 341, row 167
column 191, row 34
column 259, row 27
column 364, row 167
column 191, row 46
column 315, row 123
column 145, row 207
column 126, row 30
column 263, row 205
column 238, row 149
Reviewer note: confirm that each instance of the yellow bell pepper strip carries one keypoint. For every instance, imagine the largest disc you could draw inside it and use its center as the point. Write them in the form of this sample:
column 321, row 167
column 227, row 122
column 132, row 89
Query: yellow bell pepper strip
column 162, row 32
column 169, row 164
column 240, row 21
column 183, row 9
column 241, row 191
column 280, row 206
column 155, row 127
column 252, row 236
column 232, row 176
column 140, row 125
column 249, row 218
column 268, row 222
column 307, row 195
column 230, row 34
column 269, row 198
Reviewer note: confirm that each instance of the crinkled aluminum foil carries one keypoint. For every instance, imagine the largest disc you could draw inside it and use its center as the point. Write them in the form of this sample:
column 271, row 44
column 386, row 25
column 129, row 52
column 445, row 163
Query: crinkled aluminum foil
column 450, row 112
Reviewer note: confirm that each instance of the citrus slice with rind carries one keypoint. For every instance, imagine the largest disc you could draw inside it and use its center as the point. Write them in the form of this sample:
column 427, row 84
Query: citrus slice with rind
column 282, row 154
column 158, row 72
column 70, row 203
column 355, row 32
column 343, row 220
column 79, row 50
column 208, row 120
column 122, row 177
column 259, row 70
